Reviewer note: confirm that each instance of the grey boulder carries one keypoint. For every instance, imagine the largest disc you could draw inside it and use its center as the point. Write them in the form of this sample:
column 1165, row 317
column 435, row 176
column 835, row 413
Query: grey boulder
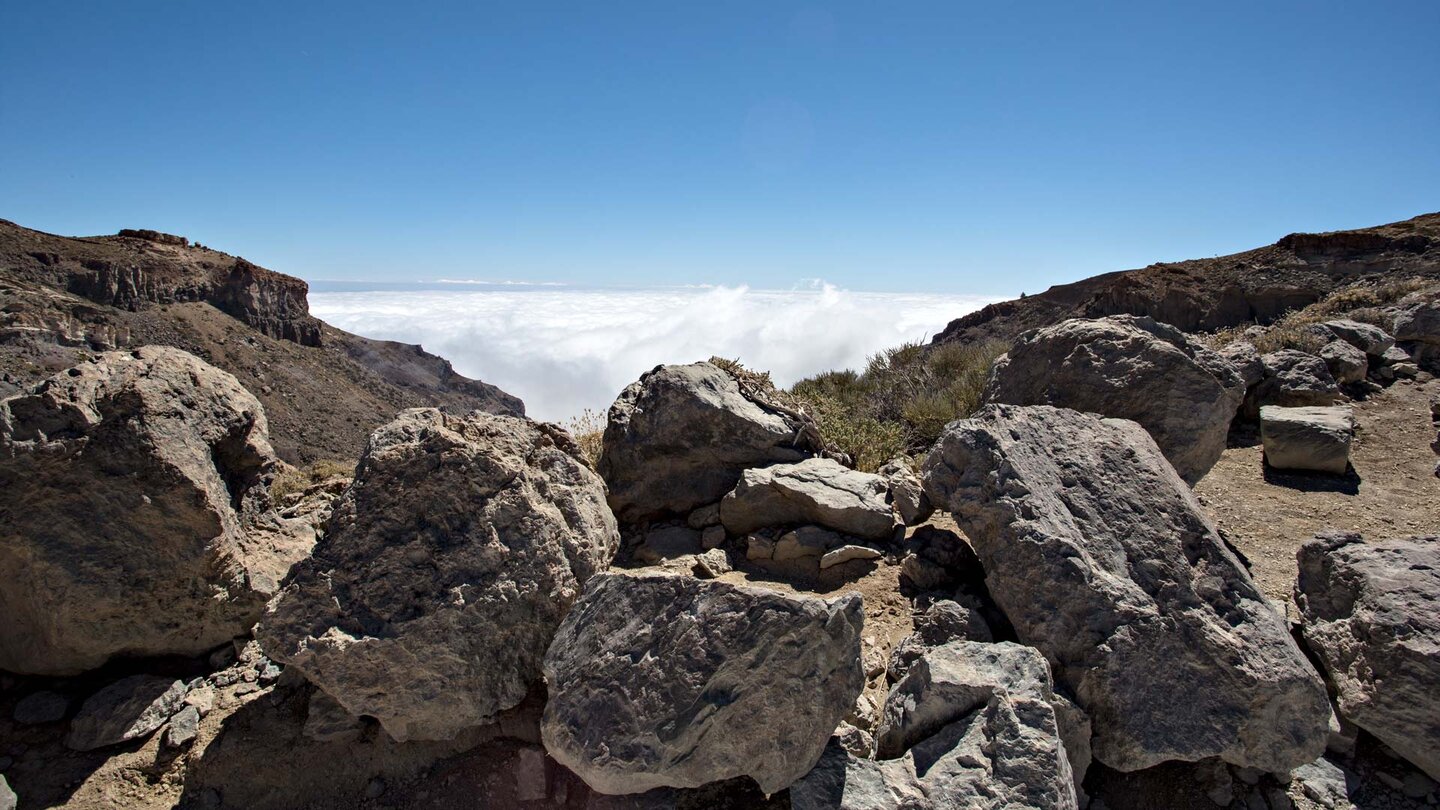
column 1368, row 338
column 1315, row 439
column 659, row 680
column 816, row 491
column 1102, row 558
column 944, row 621
column 1369, row 611
column 133, row 492
column 1292, row 379
column 1347, row 364
column 1417, row 323
column 447, row 567
column 907, row 494
column 129, row 709
column 971, row 725
column 679, row 437
column 1243, row 355
column 1128, row 367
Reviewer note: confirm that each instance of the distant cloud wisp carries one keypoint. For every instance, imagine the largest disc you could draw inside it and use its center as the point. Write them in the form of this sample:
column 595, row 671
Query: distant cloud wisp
column 565, row 350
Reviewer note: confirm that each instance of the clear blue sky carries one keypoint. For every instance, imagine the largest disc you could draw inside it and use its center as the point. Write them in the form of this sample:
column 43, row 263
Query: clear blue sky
column 962, row 147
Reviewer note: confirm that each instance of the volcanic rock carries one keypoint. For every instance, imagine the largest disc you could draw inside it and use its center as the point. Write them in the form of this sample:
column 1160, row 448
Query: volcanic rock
column 447, row 567
column 815, row 491
column 128, row 709
column 1183, row 393
column 1102, row 558
column 1369, row 611
column 1315, row 439
column 133, row 497
column 659, row 680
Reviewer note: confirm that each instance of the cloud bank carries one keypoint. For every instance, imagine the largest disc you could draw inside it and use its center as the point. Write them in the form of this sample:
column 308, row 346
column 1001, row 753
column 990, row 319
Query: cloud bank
column 565, row 350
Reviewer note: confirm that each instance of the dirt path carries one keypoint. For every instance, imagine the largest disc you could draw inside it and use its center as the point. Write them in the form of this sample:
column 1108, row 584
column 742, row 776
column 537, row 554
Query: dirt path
column 1391, row 490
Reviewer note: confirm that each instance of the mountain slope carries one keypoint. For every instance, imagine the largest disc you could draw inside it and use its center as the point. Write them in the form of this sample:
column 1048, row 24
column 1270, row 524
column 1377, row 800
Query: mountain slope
column 1206, row 294
column 324, row 389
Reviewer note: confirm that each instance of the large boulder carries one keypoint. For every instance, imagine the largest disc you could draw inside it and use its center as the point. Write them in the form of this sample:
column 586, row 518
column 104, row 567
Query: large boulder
column 1315, row 439
column 132, row 492
column 679, row 438
column 1371, row 612
column 907, row 494
column 447, row 567
column 971, row 725
column 1243, row 355
column 1128, row 367
column 814, row 491
column 1368, row 338
column 1417, row 324
column 660, row 680
column 1346, row 363
column 1293, row 379
column 1102, row 558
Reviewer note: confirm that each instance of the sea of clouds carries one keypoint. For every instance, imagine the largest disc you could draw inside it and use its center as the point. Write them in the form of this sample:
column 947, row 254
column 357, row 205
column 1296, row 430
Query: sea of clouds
column 564, row 350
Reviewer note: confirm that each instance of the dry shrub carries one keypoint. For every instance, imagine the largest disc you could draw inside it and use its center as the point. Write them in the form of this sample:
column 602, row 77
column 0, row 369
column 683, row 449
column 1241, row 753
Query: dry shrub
column 298, row 479
column 588, row 430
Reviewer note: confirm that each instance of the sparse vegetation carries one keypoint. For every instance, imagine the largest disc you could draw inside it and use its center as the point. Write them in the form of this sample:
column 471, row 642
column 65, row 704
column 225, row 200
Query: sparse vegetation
column 298, row 479
column 1362, row 301
column 588, row 429
column 902, row 400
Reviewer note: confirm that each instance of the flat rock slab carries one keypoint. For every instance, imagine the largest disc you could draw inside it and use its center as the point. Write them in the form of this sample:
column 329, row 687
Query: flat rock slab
column 1371, row 612
column 816, row 491
column 1102, row 559
column 659, row 680
column 128, row 709
column 1308, row 438
column 447, row 566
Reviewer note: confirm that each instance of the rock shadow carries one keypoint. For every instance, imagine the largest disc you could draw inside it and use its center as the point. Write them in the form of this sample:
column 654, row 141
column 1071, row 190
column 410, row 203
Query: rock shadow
column 1347, row 484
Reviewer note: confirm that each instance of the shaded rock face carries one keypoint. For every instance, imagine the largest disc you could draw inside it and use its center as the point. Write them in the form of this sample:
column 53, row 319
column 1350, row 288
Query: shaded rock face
column 1346, row 363
column 815, row 491
column 447, row 567
column 128, row 709
column 660, row 680
column 971, row 725
column 1417, row 324
column 1183, row 393
column 129, row 489
column 1316, row 439
column 679, row 438
column 1293, row 379
column 1102, row 558
column 1369, row 611
column 1243, row 355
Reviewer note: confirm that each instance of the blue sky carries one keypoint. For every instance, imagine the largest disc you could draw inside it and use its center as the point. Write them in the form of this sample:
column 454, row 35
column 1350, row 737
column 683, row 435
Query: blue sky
column 976, row 148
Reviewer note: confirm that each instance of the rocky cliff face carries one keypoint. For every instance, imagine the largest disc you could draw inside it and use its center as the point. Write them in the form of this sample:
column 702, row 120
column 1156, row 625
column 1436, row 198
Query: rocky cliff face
column 1207, row 294
column 63, row 299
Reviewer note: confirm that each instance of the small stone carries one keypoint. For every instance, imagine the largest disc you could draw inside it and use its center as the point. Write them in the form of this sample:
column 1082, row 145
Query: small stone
column 183, row 728
column 712, row 564
column 375, row 788
column 845, row 554
column 530, row 782
column 1417, row 785
column 8, row 799
column 712, row 537
column 801, row 543
column 856, row 741
column 1391, row 781
column 202, row 697
column 270, row 672
column 246, row 688
column 700, row 518
column 40, row 707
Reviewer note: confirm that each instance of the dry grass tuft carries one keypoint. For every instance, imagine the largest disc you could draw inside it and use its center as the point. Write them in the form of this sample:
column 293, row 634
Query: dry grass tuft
column 588, row 429
column 298, row 479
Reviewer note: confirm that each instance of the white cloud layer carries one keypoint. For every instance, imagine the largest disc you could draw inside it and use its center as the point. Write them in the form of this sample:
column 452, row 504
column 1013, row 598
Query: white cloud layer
column 564, row 350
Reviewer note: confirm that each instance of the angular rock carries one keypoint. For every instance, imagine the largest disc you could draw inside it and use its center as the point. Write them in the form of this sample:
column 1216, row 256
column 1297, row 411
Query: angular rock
column 971, row 726
column 845, row 554
column 907, row 494
column 1128, row 367
column 679, row 438
column 1368, row 338
column 1369, row 611
column 183, row 727
column 1243, row 355
column 40, row 707
column 712, row 564
column 945, row 621
column 1293, row 379
column 659, row 680
column 1316, row 439
column 1417, row 322
column 8, row 799
column 855, row 740
column 707, row 515
column 130, row 708
column 805, row 541
column 816, row 491
column 1346, row 363
column 1102, row 558
column 759, row 547
column 447, row 566
column 1326, row 784
column 712, row 537
column 129, row 490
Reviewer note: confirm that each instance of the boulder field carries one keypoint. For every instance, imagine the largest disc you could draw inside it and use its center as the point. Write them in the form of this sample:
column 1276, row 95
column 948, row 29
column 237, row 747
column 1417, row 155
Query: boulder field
column 721, row 611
